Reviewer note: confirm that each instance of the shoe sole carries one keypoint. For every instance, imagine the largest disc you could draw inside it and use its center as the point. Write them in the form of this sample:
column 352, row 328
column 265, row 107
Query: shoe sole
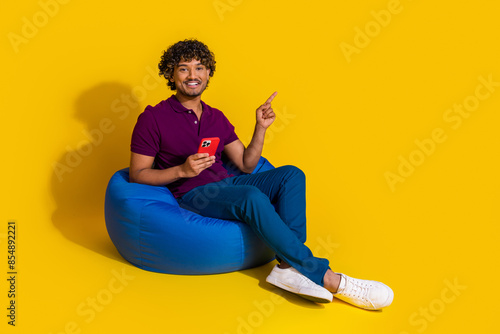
column 276, row 282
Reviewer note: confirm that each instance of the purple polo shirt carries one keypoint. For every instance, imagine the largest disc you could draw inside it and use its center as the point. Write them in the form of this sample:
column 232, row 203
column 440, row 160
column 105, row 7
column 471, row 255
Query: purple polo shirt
column 170, row 133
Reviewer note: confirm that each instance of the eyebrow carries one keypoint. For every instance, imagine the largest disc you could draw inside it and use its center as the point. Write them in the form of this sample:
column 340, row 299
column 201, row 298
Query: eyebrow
column 179, row 65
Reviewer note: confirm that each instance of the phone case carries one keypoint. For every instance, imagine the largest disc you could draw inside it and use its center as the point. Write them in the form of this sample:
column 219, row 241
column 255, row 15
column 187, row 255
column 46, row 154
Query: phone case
column 209, row 145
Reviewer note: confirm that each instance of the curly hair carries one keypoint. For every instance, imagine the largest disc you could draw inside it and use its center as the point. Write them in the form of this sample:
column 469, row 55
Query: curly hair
column 185, row 50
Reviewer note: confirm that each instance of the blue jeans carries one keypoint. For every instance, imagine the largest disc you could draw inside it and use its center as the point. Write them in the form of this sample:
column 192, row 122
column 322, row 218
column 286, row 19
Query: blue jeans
column 273, row 203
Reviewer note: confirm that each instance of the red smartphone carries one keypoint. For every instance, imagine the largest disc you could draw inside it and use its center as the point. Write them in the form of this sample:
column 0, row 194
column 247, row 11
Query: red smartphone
column 209, row 145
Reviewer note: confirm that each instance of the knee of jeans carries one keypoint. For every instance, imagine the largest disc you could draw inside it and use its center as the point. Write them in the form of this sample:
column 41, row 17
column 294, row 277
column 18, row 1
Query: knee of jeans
column 294, row 171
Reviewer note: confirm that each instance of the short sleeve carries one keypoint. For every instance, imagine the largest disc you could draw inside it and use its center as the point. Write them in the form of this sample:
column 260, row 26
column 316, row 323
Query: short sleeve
column 146, row 135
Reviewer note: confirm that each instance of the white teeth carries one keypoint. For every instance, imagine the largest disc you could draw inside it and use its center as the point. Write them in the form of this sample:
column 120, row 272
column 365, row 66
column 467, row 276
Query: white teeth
column 192, row 83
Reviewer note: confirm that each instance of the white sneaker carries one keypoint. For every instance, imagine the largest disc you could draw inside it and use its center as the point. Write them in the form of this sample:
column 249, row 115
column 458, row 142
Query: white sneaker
column 369, row 295
column 290, row 279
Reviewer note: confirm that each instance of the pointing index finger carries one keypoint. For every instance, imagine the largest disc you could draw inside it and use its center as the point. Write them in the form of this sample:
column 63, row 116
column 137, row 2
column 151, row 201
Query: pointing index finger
column 270, row 99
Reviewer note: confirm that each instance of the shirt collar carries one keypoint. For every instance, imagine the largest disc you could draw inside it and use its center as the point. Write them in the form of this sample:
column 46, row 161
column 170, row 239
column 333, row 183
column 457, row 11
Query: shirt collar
column 179, row 108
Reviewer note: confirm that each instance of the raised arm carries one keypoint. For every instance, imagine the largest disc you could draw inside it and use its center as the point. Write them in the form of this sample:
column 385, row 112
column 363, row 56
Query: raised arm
column 247, row 158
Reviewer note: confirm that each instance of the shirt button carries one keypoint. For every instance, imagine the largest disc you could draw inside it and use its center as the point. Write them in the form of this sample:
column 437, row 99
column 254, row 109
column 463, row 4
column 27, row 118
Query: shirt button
column 189, row 111
column 195, row 122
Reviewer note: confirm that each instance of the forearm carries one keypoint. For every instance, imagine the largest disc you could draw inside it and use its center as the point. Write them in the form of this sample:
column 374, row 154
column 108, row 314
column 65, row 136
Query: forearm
column 253, row 152
column 156, row 177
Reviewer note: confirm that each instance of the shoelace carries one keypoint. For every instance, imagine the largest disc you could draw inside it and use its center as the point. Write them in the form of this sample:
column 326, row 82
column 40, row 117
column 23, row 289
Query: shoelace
column 356, row 289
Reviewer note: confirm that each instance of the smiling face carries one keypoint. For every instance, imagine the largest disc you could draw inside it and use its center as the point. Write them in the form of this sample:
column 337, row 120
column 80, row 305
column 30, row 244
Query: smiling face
column 190, row 78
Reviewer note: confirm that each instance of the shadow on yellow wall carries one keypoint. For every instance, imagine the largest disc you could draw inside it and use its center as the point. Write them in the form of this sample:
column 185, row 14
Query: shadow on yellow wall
column 80, row 176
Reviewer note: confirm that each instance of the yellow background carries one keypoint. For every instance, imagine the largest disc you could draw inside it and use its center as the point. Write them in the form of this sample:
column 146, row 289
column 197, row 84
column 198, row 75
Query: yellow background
column 344, row 120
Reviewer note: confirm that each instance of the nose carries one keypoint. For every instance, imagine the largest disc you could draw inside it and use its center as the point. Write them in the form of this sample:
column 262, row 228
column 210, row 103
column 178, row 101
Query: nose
column 191, row 73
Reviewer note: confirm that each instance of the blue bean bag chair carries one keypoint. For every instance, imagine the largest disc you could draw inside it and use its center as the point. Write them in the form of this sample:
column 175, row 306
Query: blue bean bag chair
column 151, row 231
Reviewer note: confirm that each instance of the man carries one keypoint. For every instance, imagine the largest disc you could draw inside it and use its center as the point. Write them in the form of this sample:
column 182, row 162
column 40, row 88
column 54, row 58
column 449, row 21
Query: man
column 167, row 136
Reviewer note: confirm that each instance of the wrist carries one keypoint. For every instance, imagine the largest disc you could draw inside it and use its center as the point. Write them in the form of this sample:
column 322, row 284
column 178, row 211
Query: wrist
column 260, row 128
column 179, row 172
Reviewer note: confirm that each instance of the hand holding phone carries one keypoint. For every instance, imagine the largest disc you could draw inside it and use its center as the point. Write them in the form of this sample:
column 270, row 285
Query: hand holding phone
column 209, row 145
